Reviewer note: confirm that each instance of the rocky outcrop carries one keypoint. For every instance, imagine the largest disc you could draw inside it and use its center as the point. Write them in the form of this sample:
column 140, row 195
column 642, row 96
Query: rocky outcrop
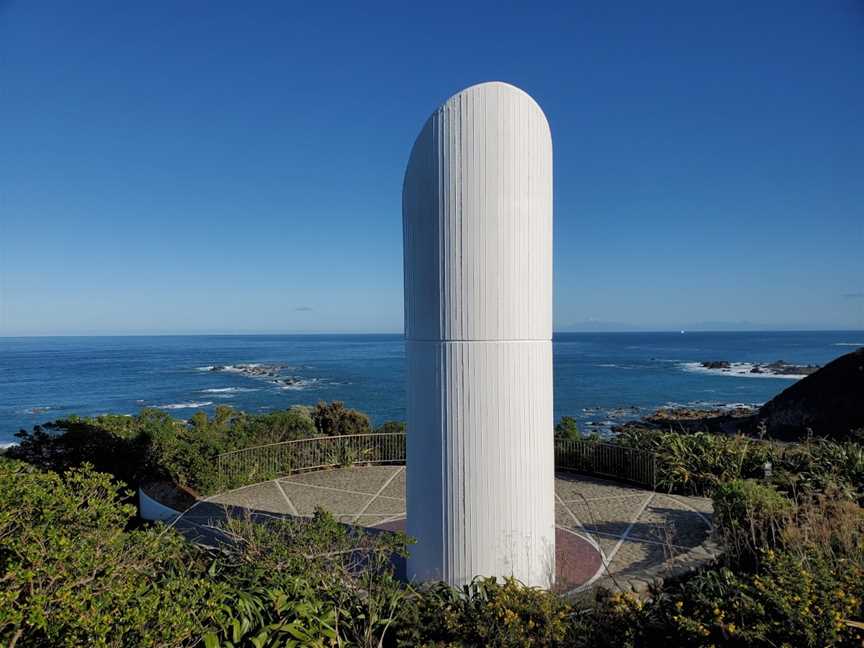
column 829, row 402
column 718, row 420
column 252, row 370
column 716, row 364
column 776, row 368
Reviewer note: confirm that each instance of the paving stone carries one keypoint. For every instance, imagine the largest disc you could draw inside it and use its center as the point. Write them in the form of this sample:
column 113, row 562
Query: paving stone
column 668, row 520
column 364, row 520
column 206, row 513
column 571, row 486
column 564, row 518
column 396, row 488
column 634, row 557
column 360, row 479
column 607, row 543
column 606, row 515
column 611, row 516
column 307, row 498
column 388, row 506
column 261, row 497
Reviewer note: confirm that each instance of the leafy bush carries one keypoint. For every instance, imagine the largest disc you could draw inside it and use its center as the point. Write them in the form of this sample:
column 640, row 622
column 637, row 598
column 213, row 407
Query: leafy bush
column 791, row 601
column 316, row 582
column 825, row 524
column 749, row 517
column 334, row 419
column 70, row 574
column 793, row 576
column 484, row 613
column 391, row 427
column 820, row 466
column 696, row 463
column 152, row 445
column 567, row 428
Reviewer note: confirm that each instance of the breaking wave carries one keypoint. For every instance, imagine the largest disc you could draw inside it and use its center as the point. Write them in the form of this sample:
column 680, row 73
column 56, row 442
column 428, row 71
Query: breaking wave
column 298, row 384
column 189, row 405
column 738, row 369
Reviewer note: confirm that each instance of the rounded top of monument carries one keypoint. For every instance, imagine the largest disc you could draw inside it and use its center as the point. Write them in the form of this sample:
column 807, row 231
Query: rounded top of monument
column 492, row 86
column 489, row 88
column 477, row 220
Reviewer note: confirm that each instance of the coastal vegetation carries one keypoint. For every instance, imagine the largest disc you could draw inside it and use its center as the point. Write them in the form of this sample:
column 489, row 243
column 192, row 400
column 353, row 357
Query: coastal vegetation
column 77, row 566
column 699, row 463
column 152, row 445
column 77, row 569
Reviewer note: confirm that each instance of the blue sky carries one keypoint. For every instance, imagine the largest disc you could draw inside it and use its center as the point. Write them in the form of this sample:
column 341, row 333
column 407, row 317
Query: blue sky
column 183, row 167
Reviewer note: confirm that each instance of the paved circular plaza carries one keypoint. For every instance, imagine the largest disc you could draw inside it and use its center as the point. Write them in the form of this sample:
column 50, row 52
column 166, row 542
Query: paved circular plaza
column 609, row 534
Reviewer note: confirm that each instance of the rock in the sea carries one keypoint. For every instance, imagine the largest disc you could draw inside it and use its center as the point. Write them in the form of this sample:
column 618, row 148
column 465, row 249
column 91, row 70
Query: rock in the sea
column 716, row 364
column 781, row 368
column 829, row 401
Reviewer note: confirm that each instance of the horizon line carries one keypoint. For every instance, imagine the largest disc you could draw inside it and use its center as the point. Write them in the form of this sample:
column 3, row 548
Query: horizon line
column 369, row 333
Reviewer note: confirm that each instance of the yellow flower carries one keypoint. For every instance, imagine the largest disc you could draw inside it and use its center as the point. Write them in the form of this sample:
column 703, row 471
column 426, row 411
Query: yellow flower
column 679, row 604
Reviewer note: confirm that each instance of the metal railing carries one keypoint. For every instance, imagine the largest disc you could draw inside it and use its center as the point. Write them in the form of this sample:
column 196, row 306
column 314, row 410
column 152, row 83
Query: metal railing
column 607, row 460
column 246, row 466
column 251, row 465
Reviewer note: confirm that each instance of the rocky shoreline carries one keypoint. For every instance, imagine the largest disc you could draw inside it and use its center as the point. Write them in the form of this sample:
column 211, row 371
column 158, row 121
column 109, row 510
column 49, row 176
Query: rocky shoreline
column 718, row 420
column 827, row 402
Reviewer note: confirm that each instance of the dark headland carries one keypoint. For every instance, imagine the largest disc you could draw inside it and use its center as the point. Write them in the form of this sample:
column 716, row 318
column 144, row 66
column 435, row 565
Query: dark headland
column 828, row 402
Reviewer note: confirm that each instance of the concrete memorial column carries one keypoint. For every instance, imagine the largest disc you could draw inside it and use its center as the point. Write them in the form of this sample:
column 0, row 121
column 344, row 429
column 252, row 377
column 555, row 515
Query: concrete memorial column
column 477, row 218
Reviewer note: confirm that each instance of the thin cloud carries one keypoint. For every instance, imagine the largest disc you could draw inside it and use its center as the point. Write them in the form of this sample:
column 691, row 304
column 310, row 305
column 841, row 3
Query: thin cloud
column 858, row 295
column 303, row 308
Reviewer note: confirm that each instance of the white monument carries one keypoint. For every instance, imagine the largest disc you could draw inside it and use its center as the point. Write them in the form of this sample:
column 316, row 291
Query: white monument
column 477, row 218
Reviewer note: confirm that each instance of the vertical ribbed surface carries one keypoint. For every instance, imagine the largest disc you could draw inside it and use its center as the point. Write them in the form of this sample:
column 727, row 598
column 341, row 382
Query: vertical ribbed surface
column 477, row 210
column 477, row 203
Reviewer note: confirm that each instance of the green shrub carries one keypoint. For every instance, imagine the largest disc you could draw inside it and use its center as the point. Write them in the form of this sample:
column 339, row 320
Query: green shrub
column 152, row 445
column 288, row 615
column 790, row 602
column 313, row 579
column 749, row 516
column 484, row 613
column 567, row 428
column 825, row 524
column 391, row 427
column 696, row 463
column 334, row 419
column 70, row 574
column 821, row 466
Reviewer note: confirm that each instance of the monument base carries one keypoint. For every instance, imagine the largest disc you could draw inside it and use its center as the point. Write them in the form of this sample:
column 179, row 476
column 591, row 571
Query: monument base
column 481, row 499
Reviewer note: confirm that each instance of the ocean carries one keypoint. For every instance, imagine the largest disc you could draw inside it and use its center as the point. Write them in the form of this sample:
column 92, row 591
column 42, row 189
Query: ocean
column 600, row 378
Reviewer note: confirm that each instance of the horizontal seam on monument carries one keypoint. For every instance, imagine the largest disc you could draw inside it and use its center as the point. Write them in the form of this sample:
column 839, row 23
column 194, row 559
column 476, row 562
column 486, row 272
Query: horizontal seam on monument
column 435, row 341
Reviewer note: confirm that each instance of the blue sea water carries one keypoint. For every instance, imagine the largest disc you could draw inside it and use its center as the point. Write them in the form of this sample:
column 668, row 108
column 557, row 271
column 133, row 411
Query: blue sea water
column 42, row 379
